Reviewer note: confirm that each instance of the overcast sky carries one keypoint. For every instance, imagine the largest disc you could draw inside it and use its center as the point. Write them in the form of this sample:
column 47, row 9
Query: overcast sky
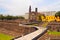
column 20, row 7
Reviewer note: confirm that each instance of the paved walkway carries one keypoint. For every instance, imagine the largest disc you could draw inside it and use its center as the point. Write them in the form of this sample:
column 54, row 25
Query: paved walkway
column 33, row 34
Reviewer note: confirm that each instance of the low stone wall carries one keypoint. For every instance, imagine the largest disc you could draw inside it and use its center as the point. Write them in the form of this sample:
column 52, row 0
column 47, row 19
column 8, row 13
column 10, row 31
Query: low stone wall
column 13, row 29
column 54, row 26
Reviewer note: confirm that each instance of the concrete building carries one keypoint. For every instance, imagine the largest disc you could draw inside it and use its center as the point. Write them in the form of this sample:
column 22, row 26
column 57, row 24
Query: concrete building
column 26, row 16
column 49, row 13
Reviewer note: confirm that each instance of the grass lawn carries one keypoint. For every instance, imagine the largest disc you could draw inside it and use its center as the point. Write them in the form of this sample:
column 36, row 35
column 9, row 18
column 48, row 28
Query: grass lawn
column 5, row 37
column 54, row 33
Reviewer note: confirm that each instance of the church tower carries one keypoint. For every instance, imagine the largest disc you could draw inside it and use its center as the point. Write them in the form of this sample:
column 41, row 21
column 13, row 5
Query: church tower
column 30, row 9
column 36, row 10
column 29, row 12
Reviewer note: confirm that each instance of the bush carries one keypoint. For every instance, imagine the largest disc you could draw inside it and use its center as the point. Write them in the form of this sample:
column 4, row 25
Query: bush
column 57, row 14
column 9, row 17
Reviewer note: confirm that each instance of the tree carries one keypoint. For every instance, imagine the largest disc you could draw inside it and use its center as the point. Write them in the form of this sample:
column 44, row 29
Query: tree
column 20, row 17
column 57, row 14
column 40, row 18
column 8, row 17
column 1, row 17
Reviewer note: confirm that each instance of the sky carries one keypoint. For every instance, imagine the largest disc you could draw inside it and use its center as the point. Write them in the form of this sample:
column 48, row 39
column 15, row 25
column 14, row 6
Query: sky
column 20, row 7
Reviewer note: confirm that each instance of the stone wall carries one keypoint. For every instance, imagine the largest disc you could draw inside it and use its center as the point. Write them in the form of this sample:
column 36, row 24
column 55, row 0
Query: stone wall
column 13, row 29
column 54, row 26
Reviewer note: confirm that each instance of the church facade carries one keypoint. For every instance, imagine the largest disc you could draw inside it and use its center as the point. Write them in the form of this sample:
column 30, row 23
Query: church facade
column 33, row 15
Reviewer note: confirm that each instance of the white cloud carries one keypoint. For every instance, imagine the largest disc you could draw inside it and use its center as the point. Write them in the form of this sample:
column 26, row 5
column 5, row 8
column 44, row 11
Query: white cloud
column 19, row 7
column 15, row 7
column 51, row 7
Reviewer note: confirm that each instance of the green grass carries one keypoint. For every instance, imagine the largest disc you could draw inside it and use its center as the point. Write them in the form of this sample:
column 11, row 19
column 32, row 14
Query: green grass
column 54, row 33
column 5, row 37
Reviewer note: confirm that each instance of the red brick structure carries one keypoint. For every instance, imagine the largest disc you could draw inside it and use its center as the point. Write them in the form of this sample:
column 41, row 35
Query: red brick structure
column 54, row 26
column 33, row 15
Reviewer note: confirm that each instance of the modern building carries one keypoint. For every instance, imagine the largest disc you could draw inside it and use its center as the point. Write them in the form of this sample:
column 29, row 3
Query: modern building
column 49, row 13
